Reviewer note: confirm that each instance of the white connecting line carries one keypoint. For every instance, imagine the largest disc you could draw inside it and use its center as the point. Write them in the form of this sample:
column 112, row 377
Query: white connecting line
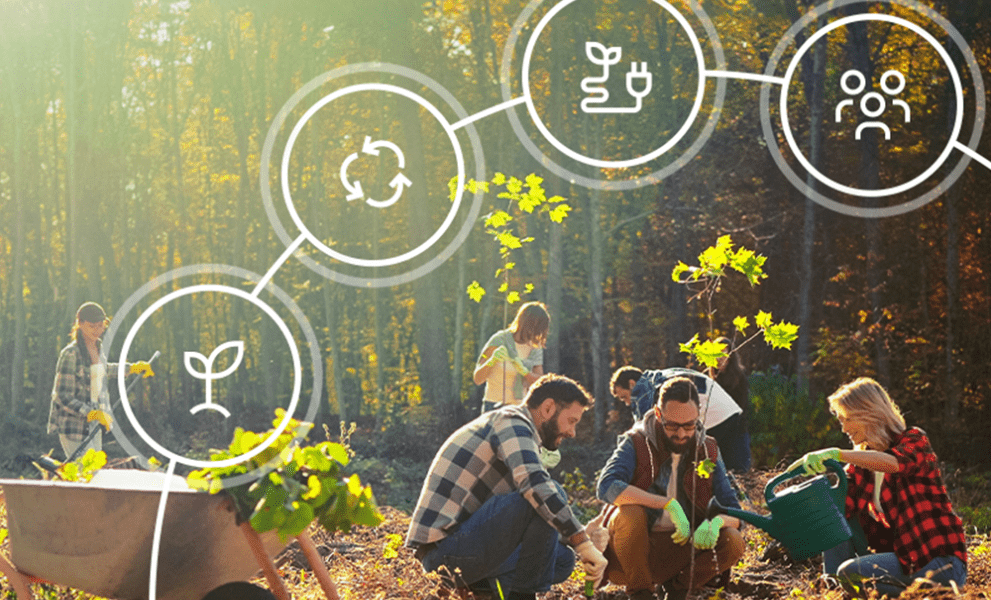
column 984, row 162
column 157, row 539
column 488, row 111
column 290, row 250
column 750, row 76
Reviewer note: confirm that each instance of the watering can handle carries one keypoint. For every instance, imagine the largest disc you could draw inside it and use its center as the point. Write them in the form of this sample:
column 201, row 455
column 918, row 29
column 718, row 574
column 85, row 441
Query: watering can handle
column 838, row 492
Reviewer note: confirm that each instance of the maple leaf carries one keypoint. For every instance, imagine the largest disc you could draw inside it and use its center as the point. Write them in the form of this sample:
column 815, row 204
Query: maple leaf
column 559, row 212
column 475, row 291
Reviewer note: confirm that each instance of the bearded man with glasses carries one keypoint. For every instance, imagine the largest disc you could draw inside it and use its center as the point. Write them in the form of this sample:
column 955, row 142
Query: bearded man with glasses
column 657, row 496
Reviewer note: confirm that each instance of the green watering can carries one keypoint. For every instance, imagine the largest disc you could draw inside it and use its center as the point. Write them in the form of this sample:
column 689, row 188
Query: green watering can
column 807, row 518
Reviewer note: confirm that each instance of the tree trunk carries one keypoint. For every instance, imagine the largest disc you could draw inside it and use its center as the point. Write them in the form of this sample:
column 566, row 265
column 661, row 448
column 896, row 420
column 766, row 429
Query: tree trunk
column 17, row 280
column 600, row 347
column 814, row 72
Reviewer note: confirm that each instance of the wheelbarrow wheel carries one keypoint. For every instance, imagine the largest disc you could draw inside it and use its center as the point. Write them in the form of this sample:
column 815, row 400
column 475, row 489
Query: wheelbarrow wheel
column 239, row 590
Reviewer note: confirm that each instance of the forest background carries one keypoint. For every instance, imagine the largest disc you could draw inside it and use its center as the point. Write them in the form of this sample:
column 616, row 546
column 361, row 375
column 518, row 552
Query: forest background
column 131, row 144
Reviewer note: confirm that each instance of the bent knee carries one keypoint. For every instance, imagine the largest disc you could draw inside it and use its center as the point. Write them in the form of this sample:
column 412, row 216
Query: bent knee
column 732, row 544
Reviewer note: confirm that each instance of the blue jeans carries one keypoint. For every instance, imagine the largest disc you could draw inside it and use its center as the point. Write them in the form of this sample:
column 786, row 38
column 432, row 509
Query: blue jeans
column 505, row 540
column 886, row 571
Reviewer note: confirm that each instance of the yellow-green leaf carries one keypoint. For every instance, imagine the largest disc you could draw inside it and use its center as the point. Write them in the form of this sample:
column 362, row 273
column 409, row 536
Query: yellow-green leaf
column 741, row 323
column 763, row 319
column 781, row 335
column 498, row 219
column 509, row 240
column 475, row 291
column 709, row 352
column 560, row 212
column 513, row 297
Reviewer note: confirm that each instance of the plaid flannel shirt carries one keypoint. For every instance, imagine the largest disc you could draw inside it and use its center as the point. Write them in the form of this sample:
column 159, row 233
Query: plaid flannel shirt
column 71, row 395
column 497, row 453
column 917, row 521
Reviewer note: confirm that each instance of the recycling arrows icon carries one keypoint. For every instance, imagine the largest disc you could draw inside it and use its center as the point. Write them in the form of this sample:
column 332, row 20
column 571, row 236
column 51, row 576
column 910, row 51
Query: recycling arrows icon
column 398, row 183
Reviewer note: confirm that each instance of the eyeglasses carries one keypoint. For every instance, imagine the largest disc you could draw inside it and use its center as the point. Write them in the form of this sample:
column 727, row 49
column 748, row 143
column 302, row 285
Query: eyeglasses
column 674, row 427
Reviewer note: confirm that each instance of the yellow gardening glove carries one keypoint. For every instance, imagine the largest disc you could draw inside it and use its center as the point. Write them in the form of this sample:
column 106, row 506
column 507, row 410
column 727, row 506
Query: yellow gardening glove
column 101, row 417
column 143, row 367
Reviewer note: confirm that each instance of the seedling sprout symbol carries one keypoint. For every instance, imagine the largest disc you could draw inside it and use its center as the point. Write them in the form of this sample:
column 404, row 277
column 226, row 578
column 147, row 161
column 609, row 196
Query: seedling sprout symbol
column 208, row 375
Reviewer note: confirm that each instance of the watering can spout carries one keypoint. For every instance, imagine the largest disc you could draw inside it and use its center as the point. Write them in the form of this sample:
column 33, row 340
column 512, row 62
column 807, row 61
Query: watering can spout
column 758, row 521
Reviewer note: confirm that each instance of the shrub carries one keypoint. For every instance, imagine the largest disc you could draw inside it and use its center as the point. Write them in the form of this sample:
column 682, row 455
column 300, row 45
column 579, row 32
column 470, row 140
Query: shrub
column 785, row 422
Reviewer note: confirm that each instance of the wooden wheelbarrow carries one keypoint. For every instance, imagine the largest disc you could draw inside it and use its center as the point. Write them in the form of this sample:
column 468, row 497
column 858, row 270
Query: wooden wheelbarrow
column 97, row 537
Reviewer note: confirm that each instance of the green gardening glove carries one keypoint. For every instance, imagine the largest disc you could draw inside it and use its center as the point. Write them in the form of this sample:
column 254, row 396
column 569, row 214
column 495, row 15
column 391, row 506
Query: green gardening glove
column 498, row 355
column 813, row 462
column 682, row 531
column 519, row 366
column 707, row 534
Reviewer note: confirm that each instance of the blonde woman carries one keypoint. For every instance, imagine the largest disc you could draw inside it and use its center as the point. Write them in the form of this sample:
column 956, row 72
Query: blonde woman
column 513, row 358
column 896, row 494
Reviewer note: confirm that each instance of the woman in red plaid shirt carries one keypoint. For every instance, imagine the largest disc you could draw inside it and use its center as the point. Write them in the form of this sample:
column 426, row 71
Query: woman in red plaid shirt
column 896, row 495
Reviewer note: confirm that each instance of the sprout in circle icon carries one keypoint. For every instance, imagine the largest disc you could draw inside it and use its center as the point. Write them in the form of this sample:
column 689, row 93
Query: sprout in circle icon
column 209, row 376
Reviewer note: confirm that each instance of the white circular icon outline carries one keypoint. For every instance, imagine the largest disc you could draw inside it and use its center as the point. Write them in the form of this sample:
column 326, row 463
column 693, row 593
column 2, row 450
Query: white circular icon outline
column 809, row 191
column 366, row 68
column 122, row 375
column 505, row 79
column 367, row 262
column 822, row 178
column 614, row 164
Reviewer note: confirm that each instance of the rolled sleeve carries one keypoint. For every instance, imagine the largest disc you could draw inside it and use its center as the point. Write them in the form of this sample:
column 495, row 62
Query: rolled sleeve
column 618, row 472
column 517, row 447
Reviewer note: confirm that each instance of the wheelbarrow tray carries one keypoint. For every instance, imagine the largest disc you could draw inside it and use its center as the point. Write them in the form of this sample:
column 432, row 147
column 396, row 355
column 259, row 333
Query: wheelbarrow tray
column 99, row 539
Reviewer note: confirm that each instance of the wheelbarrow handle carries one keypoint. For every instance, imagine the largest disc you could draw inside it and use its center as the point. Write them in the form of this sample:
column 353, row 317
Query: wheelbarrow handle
column 92, row 434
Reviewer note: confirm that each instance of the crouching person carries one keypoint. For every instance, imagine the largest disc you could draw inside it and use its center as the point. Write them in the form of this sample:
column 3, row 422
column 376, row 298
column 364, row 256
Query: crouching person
column 489, row 512
column 658, row 501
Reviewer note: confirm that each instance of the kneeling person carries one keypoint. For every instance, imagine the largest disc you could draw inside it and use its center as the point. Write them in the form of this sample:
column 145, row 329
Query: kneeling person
column 659, row 501
column 490, row 511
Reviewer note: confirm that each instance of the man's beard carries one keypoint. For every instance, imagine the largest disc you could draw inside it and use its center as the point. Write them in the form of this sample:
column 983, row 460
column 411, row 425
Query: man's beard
column 674, row 448
column 549, row 432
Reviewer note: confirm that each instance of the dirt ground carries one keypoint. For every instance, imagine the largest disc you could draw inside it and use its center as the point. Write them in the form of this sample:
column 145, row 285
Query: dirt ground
column 370, row 564
column 363, row 569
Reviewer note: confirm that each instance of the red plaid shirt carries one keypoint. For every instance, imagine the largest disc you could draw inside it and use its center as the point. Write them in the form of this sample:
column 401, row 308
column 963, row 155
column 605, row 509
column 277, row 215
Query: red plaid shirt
column 917, row 522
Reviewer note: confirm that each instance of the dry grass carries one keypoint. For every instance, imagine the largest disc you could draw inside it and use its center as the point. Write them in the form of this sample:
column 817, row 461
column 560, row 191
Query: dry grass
column 364, row 569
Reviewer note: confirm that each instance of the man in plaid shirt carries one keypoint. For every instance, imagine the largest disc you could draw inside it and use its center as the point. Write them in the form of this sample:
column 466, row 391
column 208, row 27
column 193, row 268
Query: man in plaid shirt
column 489, row 511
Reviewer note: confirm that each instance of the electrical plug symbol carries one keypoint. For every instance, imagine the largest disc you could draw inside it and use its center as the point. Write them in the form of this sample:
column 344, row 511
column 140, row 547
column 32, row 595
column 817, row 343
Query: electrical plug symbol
column 638, row 75
column 641, row 74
